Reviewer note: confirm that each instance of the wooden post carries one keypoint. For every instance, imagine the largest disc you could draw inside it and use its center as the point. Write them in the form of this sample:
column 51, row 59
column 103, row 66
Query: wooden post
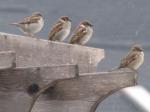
column 54, row 77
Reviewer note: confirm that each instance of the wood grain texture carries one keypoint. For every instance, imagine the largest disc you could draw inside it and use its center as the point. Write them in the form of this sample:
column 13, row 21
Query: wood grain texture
column 83, row 94
column 54, row 77
column 7, row 59
column 39, row 52
column 14, row 84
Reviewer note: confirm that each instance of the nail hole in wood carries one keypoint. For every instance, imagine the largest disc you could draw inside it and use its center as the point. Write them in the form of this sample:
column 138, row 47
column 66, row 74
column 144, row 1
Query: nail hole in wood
column 33, row 88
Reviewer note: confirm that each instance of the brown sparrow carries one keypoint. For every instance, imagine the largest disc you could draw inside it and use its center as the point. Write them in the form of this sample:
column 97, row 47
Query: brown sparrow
column 134, row 58
column 82, row 33
column 31, row 24
column 60, row 29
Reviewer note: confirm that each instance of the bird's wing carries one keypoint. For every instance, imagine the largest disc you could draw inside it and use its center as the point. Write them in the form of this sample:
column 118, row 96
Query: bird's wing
column 30, row 19
column 55, row 29
column 79, row 33
column 128, row 59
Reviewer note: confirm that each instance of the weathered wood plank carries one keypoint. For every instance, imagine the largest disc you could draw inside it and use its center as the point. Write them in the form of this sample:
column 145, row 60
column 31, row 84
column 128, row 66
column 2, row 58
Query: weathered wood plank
column 16, row 85
column 63, row 88
column 62, row 106
column 7, row 59
column 18, row 79
column 39, row 52
column 84, row 93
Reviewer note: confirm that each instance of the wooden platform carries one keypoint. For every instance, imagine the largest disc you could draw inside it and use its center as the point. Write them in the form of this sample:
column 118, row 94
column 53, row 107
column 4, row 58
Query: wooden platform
column 39, row 52
column 43, row 76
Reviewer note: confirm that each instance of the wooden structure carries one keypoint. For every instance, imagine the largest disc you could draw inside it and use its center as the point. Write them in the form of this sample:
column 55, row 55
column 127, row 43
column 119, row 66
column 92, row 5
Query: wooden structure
column 41, row 76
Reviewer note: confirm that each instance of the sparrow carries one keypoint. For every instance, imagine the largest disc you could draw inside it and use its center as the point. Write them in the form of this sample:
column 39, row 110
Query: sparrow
column 82, row 33
column 134, row 58
column 60, row 30
column 31, row 24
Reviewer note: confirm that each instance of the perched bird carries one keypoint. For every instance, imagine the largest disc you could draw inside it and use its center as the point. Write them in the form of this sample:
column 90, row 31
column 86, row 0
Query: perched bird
column 31, row 24
column 60, row 29
column 82, row 33
column 134, row 58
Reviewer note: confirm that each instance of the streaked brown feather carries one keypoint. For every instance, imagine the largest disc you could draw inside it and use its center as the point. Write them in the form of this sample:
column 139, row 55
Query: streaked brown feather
column 55, row 29
column 128, row 59
column 80, row 32
column 30, row 19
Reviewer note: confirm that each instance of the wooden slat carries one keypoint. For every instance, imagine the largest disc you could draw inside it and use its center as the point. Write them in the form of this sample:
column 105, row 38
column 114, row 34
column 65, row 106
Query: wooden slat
column 39, row 52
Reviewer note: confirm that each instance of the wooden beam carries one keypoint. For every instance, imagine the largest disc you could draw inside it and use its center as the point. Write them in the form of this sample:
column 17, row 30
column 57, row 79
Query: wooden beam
column 56, row 81
column 39, row 52
column 20, row 87
column 84, row 93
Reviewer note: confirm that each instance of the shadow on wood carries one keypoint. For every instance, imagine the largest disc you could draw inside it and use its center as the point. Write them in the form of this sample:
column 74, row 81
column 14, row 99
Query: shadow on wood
column 83, row 94
column 15, row 83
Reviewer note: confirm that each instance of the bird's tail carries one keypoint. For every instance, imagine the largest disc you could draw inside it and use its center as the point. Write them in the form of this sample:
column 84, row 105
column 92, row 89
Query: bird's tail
column 16, row 24
column 115, row 68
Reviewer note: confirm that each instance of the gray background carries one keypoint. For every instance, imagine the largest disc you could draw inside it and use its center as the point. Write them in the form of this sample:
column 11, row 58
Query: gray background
column 117, row 25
